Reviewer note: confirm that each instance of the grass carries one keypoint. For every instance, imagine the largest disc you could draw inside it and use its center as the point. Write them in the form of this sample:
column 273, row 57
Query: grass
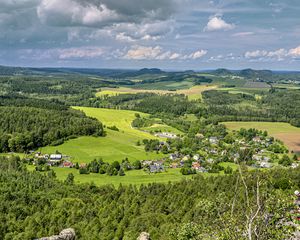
column 163, row 128
column 132, row 177
column 116, row 145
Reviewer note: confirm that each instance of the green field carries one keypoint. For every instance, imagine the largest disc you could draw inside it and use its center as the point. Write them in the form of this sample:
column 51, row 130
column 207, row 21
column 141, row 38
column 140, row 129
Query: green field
column 132, row 177
column 162, row 128
column 116, row 145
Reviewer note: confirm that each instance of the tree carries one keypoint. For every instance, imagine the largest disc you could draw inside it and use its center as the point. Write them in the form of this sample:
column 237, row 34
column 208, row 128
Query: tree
column 70, row 179
column 137, row 164
column 121, row 172
column 285, row 161
column 228, row 170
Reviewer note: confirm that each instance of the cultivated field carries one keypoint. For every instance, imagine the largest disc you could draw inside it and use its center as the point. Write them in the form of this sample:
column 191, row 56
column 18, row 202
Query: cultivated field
column 115, row 146
column 285, row 132
column 192, row 92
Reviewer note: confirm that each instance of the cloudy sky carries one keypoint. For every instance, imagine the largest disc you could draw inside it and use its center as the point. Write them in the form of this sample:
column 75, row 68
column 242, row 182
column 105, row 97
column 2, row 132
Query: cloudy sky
column 169, row 34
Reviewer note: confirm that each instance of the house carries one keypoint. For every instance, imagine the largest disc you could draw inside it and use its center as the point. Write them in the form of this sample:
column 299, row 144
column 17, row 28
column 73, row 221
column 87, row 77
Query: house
column 256, row 139
column 213, row 151
column 174, row 165
column 166, row 135
column 256, row 157
column 55, row 157
column 210, row 160
column 174, row 156
column 155, row 168
column 199, row 135
column 146, row 163
column 295, row 165
column 196, row 166
column 213, row 140
column 68, row 164
column 82, row 165
column 265, row 165
column 196, row 157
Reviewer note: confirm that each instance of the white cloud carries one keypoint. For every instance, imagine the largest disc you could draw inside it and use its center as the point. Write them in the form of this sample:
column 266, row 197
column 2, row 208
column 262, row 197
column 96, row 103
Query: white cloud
column 256, row 54
column 295, row 52
column 242, row 34
column 198, row 54
column 63, row 53
column 279, row 54
column 216, row 23
column 143, row 53
column 157, row 53
column 72, row 13
column 83, row 52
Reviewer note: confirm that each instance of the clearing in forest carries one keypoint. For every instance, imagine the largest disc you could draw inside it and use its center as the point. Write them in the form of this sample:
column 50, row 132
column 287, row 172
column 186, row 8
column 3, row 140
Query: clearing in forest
column 115, row 146
column 193, row 93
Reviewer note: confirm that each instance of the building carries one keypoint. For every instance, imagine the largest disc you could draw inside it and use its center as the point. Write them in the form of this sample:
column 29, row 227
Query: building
column 196, row 166
column 213, row 140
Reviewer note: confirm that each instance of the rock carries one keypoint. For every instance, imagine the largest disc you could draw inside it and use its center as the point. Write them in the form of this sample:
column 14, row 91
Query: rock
column 66, row 234
column 144, row 236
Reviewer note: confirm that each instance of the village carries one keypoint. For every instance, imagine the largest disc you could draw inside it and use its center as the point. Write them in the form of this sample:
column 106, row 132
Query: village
column 258, row 152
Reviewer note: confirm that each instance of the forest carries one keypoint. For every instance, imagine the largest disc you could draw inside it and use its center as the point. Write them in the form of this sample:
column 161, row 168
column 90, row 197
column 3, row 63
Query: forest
column 27, row 124
column 218, row 207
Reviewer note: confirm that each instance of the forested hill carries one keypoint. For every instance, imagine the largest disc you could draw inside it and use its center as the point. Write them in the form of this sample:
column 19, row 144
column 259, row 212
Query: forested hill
column 33, row 205
column 27, row 124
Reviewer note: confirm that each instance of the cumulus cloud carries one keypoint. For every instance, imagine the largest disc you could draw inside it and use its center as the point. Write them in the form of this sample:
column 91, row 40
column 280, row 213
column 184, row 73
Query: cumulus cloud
column 295, row 52
column 101, row 13
column 157, row 53
column 198, row 54
column 130, row 32
column 279, row 54
column 142, row 53
column 73, row 13
column 216, row 23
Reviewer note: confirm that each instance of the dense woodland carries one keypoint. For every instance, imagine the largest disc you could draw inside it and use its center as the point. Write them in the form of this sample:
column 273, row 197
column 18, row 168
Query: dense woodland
column 33, row 205
column 276, row 105
column 27, row 124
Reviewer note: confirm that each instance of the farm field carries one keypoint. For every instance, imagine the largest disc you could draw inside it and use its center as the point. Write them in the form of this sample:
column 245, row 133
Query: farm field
column 193, row 92
column 116, row 145
column 285, row 132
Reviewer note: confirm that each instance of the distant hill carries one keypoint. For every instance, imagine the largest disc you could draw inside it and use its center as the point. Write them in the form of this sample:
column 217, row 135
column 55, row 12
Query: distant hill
column 222, row 71
column 250, row 73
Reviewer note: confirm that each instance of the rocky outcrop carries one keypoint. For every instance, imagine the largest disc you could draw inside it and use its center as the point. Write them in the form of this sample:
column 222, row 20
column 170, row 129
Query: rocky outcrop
column 66, row 234
column 144, row 236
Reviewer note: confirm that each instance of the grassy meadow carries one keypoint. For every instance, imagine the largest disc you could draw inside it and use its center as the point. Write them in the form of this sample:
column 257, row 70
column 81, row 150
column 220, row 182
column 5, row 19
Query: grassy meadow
column 116, row 145
column 132, row 177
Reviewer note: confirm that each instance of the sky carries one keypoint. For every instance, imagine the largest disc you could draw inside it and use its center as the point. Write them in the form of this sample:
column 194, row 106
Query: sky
column 166, row 34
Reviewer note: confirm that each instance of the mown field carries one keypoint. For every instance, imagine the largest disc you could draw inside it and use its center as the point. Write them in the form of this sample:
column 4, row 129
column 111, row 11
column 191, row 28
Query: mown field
column 116, row 145
column 285, row 132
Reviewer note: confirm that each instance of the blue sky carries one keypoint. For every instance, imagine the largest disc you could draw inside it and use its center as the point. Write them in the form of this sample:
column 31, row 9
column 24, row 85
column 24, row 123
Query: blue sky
column 169, row 34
